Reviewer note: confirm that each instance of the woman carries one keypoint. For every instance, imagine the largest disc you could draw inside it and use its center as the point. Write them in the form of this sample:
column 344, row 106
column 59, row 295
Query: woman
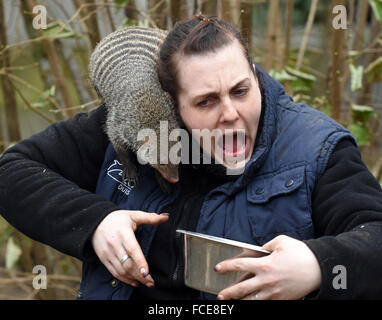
column 304, row 194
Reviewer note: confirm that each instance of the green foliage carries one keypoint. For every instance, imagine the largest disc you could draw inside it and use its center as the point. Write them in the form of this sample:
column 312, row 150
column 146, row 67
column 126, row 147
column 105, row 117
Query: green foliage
column 58, row 30
column 360, row 125
column 13, row 253
column 43, row 100
column 299, row 84
column 361, row 133
column 376, row 5
column 374, row 70
column 120, row 3
column 5, row 231
column 302, row 75
column 282, row 76
column 362, row 113
column 356, row 73
column 304, row 82
column 131, row 22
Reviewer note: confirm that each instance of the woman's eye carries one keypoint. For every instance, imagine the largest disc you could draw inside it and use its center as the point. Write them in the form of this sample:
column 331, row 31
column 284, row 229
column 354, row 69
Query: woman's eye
column 241, row 92
column 204, row 103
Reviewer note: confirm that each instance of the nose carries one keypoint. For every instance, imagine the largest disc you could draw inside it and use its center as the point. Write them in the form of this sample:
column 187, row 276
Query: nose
column 229, row 112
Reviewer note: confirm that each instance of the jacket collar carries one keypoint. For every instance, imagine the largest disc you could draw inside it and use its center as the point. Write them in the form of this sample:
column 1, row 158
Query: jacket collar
column 271, row 92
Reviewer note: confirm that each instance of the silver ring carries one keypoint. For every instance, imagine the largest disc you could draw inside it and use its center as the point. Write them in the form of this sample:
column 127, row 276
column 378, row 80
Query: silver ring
column 255, row 295
column 124, row 258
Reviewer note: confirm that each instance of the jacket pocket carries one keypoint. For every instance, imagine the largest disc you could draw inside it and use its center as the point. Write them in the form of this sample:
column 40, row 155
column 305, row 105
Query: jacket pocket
column 97, row 283
column 278, row 203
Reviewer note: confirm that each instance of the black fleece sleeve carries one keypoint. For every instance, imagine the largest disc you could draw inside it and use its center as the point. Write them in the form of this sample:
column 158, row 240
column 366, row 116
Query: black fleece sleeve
column 347, row 215
column 47, row 184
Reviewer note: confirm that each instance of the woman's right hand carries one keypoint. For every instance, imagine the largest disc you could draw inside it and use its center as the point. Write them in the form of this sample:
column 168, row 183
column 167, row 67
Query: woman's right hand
column 114, row 238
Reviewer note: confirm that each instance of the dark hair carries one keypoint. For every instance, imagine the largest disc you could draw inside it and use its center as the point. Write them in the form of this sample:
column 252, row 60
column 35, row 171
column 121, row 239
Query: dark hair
column 197, row 35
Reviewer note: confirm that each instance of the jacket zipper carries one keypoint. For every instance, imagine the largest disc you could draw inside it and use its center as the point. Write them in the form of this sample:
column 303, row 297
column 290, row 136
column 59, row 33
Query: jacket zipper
column 178, row 250
column 175, row 274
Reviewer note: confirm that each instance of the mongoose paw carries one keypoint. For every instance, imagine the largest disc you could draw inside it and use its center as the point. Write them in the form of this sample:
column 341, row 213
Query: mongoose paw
column 131, row 175
column 129, row 166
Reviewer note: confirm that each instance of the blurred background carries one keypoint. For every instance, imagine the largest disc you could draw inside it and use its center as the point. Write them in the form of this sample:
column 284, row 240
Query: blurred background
column 327, row 53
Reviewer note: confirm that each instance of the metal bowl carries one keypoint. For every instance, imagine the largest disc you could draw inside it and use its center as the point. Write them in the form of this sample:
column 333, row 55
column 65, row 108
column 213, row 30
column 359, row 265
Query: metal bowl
column 202, row 252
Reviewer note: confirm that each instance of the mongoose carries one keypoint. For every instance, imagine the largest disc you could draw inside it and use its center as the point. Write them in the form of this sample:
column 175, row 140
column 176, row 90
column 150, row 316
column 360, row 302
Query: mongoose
column 123, row 71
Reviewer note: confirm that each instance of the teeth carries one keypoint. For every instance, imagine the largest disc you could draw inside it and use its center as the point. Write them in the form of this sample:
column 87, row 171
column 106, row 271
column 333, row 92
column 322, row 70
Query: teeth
column 236, row 142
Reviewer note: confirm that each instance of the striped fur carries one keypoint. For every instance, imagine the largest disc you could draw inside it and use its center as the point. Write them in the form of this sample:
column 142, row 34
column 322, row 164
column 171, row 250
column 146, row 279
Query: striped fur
column 123, row 71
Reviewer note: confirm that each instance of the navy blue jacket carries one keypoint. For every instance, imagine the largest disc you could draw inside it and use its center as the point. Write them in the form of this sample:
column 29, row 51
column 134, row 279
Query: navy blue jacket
column 272, row 196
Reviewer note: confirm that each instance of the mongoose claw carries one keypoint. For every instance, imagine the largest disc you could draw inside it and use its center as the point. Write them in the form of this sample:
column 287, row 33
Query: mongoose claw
column 129, row 166
column 131, row 176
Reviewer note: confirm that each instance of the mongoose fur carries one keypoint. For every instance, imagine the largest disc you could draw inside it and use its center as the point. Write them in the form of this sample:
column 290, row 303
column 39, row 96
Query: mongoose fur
column 123, row 71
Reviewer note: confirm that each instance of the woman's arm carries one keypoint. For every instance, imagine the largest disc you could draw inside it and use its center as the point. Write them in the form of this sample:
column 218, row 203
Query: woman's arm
column 47, row 184
column 347, row 215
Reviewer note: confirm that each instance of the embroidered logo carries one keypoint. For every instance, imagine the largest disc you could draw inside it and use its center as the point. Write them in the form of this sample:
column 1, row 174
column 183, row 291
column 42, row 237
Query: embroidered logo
column 115, row 172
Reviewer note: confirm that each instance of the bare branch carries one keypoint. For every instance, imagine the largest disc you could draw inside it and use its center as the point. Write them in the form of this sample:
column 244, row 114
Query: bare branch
column 308, row 28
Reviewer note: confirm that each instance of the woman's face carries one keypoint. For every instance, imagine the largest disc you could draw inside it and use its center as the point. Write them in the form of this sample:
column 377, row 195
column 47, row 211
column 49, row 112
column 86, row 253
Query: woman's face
column 219, row 91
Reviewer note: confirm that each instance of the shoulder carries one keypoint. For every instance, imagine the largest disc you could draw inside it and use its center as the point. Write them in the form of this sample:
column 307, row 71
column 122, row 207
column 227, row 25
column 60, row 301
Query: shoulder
column 305, row 134
column 304, row 116
column 345, row 163
column 298, row 123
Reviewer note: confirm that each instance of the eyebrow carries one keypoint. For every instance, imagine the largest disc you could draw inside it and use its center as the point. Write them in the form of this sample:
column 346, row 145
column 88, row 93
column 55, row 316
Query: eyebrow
column 216, row 93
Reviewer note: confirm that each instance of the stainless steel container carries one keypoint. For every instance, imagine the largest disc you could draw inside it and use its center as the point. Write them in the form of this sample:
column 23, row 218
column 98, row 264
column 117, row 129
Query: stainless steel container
column 202, row 252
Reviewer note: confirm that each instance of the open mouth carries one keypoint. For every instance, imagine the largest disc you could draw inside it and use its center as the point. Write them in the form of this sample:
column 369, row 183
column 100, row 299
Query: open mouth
column 234, row 144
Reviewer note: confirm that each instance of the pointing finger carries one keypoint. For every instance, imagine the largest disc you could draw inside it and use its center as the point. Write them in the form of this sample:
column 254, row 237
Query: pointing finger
column 141, row 217
column 240, row 290
column 239, row 264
